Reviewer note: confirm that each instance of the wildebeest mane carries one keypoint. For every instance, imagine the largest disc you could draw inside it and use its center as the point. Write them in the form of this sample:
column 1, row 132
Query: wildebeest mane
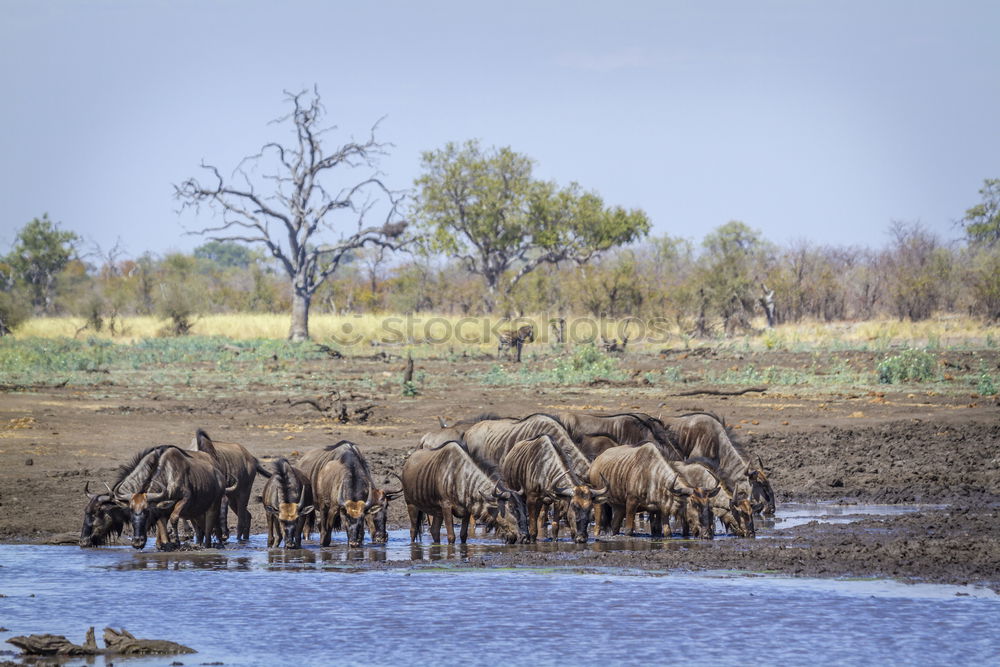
column 544, row 414
column 281, row 469
column 721, row 420
column 330, row 448
column 448, row 442
column 127, row 469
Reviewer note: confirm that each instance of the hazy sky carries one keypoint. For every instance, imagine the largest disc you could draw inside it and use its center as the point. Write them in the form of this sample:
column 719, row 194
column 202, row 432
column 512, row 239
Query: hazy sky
column 817, row 120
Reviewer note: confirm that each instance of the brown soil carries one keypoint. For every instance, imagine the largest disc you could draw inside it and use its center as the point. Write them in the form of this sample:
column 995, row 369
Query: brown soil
column 858, row 446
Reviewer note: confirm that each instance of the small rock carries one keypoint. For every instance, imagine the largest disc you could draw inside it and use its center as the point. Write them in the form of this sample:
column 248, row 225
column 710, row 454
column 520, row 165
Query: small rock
column 29, row 462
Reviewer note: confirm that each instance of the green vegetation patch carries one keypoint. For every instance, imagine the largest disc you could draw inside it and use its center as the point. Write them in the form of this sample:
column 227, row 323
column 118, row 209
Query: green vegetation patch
column 584, row 365
column 907, row 366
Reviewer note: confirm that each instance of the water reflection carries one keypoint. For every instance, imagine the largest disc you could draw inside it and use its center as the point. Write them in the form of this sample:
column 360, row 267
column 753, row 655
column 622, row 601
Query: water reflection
column 246, row 555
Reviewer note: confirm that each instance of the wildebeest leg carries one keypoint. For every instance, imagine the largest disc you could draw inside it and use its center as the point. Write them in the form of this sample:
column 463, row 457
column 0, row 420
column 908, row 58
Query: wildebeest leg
column 162, row 537
column 464, row 532
column 617, row 517
column 416, row 518
column 630, row 508
column 274, row 535
column 436, row 529
column 534, row 516
column 656, row 524
column 449, row 522
column 239, row 504
column 603, row 514
column 324, row 527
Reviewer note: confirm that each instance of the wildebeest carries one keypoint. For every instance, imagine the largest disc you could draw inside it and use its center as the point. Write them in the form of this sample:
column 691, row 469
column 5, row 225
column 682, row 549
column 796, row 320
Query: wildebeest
column 734, row 513
column 288, row 502
column 446, row 482
column 239, row 466
column 640, row 479
column 704, row 435
column 593, row 433
column 537, row 467
column 345, row 493
column 165, row 484
column 104, row 518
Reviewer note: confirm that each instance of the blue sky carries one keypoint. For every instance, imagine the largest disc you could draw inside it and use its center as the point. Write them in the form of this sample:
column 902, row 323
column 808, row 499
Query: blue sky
column 807, row 120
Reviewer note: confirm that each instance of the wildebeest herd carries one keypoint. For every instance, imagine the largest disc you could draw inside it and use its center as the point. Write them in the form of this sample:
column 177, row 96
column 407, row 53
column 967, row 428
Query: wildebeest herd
column 519, row 478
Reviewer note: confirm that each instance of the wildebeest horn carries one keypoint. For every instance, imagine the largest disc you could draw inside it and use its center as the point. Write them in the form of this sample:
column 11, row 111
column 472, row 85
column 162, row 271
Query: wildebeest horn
column 603, row 490
column 86, row 489
column 760, row 463
column 110, row 492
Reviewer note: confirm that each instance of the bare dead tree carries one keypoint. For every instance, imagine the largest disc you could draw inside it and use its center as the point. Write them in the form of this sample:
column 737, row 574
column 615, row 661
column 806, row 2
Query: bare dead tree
column 300, row 206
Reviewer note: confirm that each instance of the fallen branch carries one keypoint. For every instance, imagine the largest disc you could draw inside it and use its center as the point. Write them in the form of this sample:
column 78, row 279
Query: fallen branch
column 717, row 392
column 117, row 642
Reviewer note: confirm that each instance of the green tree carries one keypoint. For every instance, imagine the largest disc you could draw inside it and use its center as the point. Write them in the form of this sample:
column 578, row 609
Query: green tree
column 41, row 250
column 291, row 208
column 982, row 221
column 225, row 255
column 728, row 275
column 484, row 208
column 919, row 271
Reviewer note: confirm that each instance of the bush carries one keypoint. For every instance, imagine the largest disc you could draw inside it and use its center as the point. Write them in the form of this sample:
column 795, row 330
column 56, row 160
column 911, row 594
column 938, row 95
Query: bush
column 13, row 311
column 908, row 365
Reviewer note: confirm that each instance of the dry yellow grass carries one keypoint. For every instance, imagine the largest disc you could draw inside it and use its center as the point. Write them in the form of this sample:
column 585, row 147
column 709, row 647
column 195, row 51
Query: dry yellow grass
column 480, row 332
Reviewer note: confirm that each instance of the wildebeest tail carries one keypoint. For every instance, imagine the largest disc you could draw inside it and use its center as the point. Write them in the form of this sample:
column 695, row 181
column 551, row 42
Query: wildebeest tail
column 203, row 443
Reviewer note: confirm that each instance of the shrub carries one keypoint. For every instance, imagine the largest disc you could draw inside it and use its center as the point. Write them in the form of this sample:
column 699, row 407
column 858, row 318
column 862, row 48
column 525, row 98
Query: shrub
column 908, row 365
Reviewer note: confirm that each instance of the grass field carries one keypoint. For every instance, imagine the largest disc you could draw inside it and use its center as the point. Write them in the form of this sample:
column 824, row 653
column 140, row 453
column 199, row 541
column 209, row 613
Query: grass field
column 237, row 352
column 467, row 333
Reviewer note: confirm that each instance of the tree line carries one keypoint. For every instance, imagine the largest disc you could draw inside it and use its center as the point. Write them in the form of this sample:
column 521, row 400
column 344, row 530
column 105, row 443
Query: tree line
column 301, row 225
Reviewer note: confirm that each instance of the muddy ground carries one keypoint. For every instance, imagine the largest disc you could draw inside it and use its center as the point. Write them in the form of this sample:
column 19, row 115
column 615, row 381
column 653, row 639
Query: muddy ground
column 926, row 445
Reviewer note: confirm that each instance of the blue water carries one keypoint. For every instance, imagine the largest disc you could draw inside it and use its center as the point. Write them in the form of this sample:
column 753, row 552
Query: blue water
column 247, row 605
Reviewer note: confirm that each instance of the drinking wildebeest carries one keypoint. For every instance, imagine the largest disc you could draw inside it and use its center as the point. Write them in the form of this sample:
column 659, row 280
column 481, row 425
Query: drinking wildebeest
column 103, row 518
column 445, row 482
column 537, row 467
column 288, row 502
column 704, row 435
column 735, row 513
column 640, row 478
column 166, row 484
column 240, row 466
column 490, row 439
column 345, row 493
column 314, row 459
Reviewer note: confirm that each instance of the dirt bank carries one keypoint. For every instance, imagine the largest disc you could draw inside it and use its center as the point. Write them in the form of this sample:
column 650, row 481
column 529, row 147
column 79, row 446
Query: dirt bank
column 856, row 445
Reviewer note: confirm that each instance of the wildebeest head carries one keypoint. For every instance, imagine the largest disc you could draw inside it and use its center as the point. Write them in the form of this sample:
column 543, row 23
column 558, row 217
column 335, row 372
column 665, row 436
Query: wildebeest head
column 379, row 512
column 145, row 508
column 742, row 513
column 697, row 507
column 291, row 517
column 104, row 518
column 580, row 501
column 357, row 512
column 509, row 513
column 761, row 493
